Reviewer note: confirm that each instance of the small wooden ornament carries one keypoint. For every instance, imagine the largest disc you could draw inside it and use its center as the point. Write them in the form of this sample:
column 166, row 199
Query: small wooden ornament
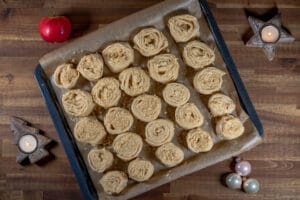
column 257, row 41
column 22, row 128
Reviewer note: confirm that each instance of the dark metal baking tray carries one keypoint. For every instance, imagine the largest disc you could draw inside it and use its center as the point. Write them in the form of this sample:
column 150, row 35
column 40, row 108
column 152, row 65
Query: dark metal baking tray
column 80, row 170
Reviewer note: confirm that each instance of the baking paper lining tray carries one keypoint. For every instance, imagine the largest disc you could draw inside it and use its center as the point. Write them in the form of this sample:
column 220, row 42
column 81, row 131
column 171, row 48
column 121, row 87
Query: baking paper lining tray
column 123, row 30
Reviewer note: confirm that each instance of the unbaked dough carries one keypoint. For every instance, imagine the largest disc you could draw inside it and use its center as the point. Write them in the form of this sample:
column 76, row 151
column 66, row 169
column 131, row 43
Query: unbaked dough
column 188, row 116
column 118, row 56
column 208, row 80
column 100, row 159
column 169, row 154
column 89, row 130
column 159, row 132
column 150, row 41
column 176, row 94
column 134, row 81
column 114, row 182
column 163, row 68
column 146, row 107
column 198, row 55
column 220, row 104
column 66, row 76
column 91, row 67
column 106, row 93
column 140, row 170
column 78, row 103
column 118, row 120
column 229, row 127
column 127, row 145
column 183, row 27
column 199, row 140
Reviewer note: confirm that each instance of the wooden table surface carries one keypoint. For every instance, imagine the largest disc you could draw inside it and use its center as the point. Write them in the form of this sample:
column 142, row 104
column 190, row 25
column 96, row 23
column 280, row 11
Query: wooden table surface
column 274, row 88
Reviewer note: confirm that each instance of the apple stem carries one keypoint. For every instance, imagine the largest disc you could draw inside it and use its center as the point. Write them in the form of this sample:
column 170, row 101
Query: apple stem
column 53, row 11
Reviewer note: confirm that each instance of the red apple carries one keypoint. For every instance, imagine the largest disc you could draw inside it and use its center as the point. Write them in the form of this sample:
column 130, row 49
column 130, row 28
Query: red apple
column 55, row 29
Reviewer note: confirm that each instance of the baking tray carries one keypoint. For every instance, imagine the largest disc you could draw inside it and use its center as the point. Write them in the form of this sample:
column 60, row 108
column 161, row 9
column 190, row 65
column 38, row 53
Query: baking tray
column 77, row 162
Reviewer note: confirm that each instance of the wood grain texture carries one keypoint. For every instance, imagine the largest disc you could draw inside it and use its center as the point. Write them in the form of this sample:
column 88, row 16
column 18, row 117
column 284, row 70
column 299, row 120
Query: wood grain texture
column 272, row 86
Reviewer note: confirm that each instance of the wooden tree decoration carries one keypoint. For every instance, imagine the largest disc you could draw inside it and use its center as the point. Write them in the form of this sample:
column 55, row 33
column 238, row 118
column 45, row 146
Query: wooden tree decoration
column 20, row 128
column 256, row 40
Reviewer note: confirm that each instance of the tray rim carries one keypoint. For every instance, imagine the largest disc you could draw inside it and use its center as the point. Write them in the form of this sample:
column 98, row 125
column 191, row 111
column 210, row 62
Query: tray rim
column 231, row 67
column 76, row 161
column 79, row 168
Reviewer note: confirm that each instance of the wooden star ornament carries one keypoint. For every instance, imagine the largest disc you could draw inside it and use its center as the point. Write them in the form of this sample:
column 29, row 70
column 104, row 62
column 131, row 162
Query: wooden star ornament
column 21, row 128
column 260, row 37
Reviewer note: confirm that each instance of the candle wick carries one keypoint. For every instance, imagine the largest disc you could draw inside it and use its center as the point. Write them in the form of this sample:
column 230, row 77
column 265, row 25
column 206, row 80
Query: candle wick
column 28, row 144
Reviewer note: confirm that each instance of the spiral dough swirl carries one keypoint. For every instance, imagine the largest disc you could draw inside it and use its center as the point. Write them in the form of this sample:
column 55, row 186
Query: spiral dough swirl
column 89, row 130
column 100, row 159
column 146, row 107
column 140, row 170
column 159, row 132
column 118, row 56
column 169, row 154
column 150, row 42
column 106, row 93
column 78, row 103
column 208, row 80
column 176, row 94
column 198, row 55
column 163, row 68
column 127, row 145
column 118, row 120
column 199, row 140
column 229, row 127
column 188, row 116
column 114, row 182
column 91, row 67
column 134, row 81
column 65, row 76
column 220, row 104
column 183, row 27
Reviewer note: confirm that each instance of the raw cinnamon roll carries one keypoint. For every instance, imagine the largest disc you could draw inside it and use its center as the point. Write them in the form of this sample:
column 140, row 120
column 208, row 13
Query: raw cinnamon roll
column 89, row 130
column 150, row 42
column 159, row 132
column 91, row 67
column 78, row 103
column 127, row 145
column 114, row 182
column 229, row 127
column 106, row 93
column 169, row 154
column 100, row 159
column 134, row 81
column 208, row 80
column 65, row 76
column 140, row 170
column 220, row 104
column 163, row 68
column 188, row 116
column 183, row 27
column 118, row 56
column 146, row 107
column 118, row 120
column 198, row 55
column 199, row 140
column 176, row 94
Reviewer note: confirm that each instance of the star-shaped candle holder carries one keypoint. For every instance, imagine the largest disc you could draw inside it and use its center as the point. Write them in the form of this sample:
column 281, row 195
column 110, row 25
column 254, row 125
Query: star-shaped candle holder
column 31, row 144
column 268, row 35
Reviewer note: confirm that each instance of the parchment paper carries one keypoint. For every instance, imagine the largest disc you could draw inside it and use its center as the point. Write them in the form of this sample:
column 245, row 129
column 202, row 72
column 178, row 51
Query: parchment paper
column 124, row 30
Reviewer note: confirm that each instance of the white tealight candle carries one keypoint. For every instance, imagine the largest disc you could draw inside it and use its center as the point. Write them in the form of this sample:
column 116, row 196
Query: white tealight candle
column 27, row 143
column 269, row 34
